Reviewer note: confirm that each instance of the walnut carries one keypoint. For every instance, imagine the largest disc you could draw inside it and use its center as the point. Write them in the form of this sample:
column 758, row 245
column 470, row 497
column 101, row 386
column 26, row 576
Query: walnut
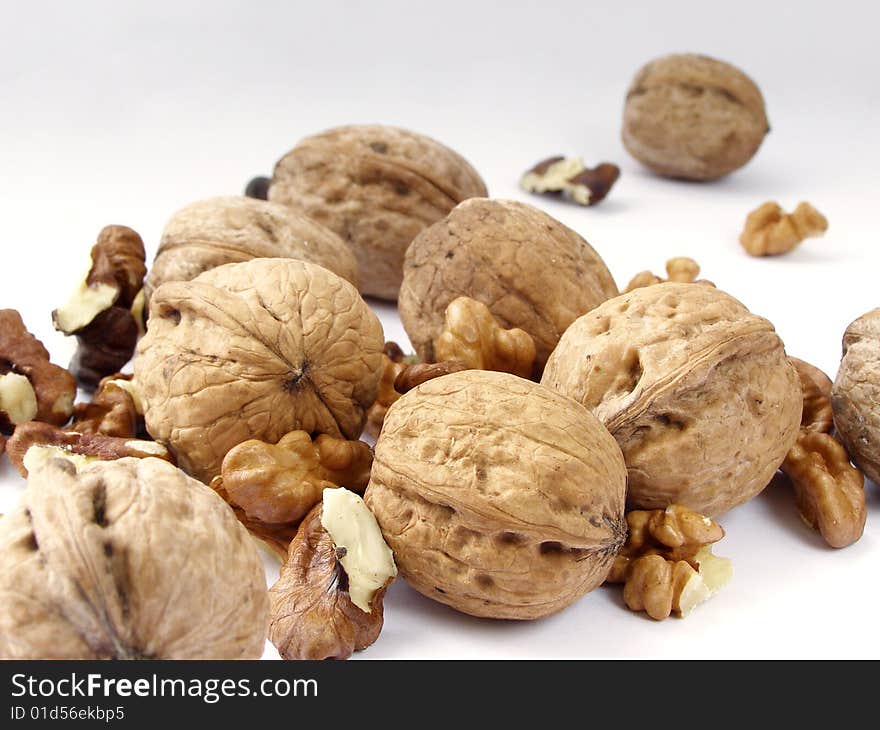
column 571, row 178
column 679, row 269
column 770, row 231
column 856, row 394
column 693, row 117
column 123, row 560
column 99, row 312
column 530, row 270
column 30, row 386
column 82, row 447
column 280, row 483
column 377, row 187
column 413, row 376
column 112, row 411
column 816, row 387
column 327, row 602
column 498, row 497
column 233, row 229
column 696, row 389
column 255, row 350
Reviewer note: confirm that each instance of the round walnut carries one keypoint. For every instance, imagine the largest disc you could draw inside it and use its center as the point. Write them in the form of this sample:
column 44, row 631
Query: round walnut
column 693, row 117
column 377, row 187
column 127, row 559
column 233, row 229
column 855, row 396
column 532, row 272
column 498, row 497
column 253, row 351
column 696, row 389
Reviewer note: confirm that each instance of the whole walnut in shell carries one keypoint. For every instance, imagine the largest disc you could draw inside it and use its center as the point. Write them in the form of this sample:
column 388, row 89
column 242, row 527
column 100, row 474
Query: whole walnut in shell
column 233, row 229
column 693, row 117
column 498, row 497
column 532, row 272
column 855, row 396
column 129, row 559
column 253, row 351
column 377, row 187
column 696, row 389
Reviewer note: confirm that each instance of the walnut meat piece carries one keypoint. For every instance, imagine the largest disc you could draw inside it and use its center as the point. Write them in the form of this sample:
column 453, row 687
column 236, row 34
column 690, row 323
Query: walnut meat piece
column 113, row 410
column 530, row 270
column 816, row 386
column 696, row 389
column 233, row 229
column 498, row 497
column 693, row 117
column 255, row 350
column 377, row 187
column 856, row 394
column 571, row 178
column 770, row 231
column 129, row 559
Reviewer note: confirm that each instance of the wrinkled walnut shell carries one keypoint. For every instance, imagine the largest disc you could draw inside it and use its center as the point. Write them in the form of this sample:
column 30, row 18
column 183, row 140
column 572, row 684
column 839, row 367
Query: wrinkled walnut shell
column 498, row 497
column 129, row 559
column 532, row 272
column 696, row 389
column 377, row 187
column 256, row 350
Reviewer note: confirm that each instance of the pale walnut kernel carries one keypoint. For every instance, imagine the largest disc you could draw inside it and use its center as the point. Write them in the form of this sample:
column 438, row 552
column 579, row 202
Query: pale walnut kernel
column 473, row 336
column 817, row 414
column 679, row 269
column 770, row 231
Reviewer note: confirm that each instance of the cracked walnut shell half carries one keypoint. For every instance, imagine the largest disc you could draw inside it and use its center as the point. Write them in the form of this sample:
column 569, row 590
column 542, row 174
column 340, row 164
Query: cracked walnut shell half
column 696, row 389
column 254, row 351
column 498, row 497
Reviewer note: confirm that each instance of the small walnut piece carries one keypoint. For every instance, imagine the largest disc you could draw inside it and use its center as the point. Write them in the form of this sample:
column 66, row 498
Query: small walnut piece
column 472, row 336
column 569, row 176
column 111, row 412
column 128, row 559
column 816, row 386
column 386, row 395
column 327, row 602
column 280, row 483
column 22, row 354
column 680, row 269
column 770, row 231
column 830, row 492
column 414, row 375
column 856, row 394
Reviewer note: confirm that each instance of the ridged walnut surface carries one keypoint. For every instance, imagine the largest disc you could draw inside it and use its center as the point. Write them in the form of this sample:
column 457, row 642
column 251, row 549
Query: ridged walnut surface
column 233, row 229
column 129, row 559
column 693, row 117
column 377, row 187
column 855, row 396
column 253, row 351
column 532, row 272
column 696, row 389
column 499, row 497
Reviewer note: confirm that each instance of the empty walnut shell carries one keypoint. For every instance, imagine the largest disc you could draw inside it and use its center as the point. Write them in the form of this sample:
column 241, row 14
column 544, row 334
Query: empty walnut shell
column 498, row 497
column 855, row 396
column 693, row 117
column 377, row 187
column 696, row 389
column 128, row 559
column 253, row 351
column 532, row 272
column 233, row 229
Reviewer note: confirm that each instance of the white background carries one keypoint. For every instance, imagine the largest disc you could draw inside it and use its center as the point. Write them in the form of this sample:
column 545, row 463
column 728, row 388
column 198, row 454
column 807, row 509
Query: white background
column 122, row 113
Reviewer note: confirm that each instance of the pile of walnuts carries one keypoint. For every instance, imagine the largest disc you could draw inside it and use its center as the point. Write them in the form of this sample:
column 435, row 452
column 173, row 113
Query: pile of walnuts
column 549, row 434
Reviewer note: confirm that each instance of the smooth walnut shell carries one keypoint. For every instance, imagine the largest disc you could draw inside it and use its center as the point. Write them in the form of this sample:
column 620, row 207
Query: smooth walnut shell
column 855, row 396
column 377, row 187
column 696, row 389
column 693, row 117
column 233, row 229
column 498, row 497
column 128, row 559
column 532, row 272
column 253, row 351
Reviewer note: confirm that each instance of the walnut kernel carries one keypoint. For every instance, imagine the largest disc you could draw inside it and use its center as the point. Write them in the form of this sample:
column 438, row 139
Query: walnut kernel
column 770, row 231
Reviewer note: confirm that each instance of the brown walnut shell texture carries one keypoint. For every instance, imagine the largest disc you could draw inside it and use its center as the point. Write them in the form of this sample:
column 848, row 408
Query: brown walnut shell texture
column 855, row 396
column 377, row 187
column 693, row 117
column 532, row 272
column 696, row 389
column 498, row 497
column 233, row 229
column 253, row 351
column 129, row 559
